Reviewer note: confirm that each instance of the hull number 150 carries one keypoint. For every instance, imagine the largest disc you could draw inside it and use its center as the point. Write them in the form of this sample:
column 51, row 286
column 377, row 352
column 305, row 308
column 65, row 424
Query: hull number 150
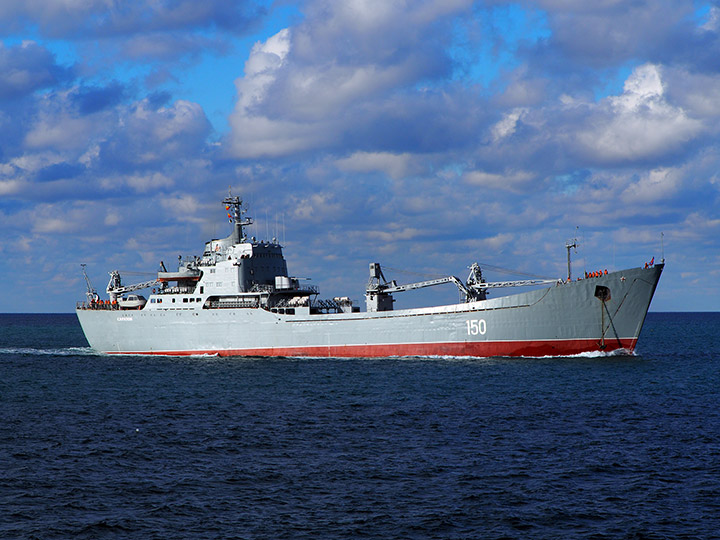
column 476, row 326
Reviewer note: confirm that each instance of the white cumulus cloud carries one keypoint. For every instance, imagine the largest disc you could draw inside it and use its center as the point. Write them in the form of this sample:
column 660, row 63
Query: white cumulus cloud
column 638, row 124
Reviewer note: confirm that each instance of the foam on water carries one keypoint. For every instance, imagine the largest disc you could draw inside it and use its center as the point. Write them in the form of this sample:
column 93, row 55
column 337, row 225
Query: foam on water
column 30, row 351
column 593, row 354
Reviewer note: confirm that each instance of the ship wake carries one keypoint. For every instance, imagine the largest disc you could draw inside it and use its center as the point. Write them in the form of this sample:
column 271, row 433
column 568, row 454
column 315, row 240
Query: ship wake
column 29, row 351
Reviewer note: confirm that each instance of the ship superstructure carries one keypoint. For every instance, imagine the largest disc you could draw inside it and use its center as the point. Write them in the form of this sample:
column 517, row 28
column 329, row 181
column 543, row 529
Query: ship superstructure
column 234, row 272
column 238, row 299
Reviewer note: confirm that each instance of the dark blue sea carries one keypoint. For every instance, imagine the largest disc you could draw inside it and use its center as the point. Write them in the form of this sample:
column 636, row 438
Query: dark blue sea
column 615, row 447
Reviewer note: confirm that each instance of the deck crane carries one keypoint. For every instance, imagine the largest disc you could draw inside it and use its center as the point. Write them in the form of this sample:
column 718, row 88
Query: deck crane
column 378, row 294
column 91, row 293
column 115, row 288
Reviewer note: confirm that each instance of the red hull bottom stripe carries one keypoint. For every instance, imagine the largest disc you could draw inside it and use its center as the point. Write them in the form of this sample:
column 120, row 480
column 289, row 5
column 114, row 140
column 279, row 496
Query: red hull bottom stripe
column 470, row 348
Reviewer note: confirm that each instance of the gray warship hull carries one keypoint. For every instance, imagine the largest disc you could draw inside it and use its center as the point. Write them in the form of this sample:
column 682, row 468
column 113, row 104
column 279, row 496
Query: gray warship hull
column 604, row 313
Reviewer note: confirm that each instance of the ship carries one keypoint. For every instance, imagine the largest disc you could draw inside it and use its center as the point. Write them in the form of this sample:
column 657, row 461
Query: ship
column 238, row 299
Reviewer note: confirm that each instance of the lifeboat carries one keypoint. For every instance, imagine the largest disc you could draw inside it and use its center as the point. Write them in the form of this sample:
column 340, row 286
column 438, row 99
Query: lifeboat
column 184, row 274
column 132, row 301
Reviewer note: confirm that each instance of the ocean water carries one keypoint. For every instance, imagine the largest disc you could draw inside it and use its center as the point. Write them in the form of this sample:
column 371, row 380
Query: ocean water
column 96, row 446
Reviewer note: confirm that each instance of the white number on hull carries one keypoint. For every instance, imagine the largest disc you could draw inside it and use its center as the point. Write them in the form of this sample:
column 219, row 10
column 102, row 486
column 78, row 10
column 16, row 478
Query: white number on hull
column 476, row 326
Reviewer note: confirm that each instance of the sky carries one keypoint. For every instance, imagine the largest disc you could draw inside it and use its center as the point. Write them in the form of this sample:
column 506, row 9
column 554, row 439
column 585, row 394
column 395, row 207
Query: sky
column 424, row 135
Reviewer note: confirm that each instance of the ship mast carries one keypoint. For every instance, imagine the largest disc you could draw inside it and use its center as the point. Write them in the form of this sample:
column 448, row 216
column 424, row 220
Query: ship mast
column 235, row 211
column 570, row 244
